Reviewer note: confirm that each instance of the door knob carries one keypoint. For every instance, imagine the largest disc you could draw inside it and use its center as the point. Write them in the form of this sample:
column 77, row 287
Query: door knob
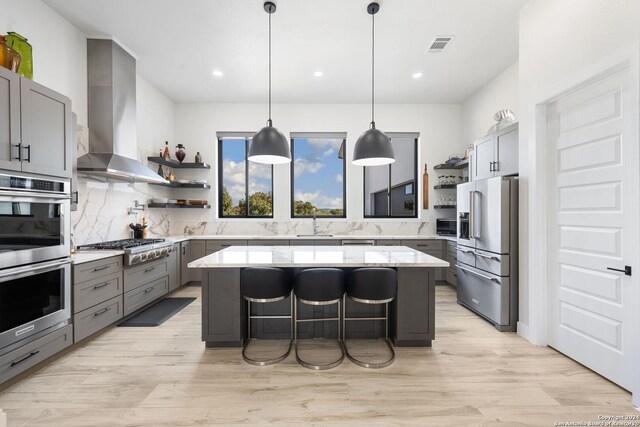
column 626, row 271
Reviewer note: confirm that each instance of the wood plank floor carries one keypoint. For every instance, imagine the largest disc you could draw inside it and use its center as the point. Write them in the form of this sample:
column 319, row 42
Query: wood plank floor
column 472, row 376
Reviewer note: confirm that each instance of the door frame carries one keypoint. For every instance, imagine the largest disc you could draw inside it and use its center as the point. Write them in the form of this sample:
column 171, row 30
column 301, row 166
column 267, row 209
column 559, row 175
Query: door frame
column 537, row 208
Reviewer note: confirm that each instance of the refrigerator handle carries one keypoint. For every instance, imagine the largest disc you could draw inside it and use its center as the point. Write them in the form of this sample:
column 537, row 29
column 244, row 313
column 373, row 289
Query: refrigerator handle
column 476, row 234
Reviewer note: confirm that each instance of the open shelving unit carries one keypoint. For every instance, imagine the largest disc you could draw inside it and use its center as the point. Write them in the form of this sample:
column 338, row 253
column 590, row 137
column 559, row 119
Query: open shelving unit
column 460, row 165
column 176, row 205
column 177, row 165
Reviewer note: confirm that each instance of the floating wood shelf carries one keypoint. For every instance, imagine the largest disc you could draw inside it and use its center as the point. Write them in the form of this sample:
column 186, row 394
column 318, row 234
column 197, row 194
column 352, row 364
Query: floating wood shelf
column 175, row 205
column 179, row 185
column 444, row 186
column 460, row 165
column 444, row 206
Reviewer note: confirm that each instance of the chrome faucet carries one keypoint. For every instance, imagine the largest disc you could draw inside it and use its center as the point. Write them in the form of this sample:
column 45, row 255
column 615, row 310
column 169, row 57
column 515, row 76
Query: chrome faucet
column 315, row 223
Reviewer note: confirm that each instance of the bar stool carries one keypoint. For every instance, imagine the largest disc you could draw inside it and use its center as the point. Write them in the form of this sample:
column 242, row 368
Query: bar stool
column 319, row 286
column 371, row 286
column 265, row 285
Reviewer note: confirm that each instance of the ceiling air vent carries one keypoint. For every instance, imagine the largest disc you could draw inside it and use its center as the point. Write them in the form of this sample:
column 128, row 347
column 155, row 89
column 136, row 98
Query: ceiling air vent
column 439, row 43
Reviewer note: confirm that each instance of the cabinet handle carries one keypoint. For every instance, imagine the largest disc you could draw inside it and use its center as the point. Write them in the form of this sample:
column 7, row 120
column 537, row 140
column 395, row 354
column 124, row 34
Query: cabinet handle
column 184, row 250
column 146, row 291
column 104, row 267
column 103, row 311
column 75, row 197
column 146, row 270
column 28, row 148
column 495, row 166
column 19, row 147
column 102, row 285
column 24, row 359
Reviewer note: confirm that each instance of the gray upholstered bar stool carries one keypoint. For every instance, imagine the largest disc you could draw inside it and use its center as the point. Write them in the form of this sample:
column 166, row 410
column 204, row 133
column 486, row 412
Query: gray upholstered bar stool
column 265, row 285
column 371, row 286
column 319, row 286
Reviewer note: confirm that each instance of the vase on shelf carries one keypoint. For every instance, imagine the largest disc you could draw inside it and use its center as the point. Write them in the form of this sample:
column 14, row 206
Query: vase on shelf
column 9, row 58
column 180, row 154
column 160, row 171
column 166, row 153
column 20, row 45
column 198, row 157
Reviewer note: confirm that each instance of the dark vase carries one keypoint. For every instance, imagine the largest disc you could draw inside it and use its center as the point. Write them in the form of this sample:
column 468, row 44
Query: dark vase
column 180, row 154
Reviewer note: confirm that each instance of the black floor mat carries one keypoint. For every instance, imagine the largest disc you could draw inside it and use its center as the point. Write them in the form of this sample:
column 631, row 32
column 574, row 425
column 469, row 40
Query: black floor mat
column 158, row 313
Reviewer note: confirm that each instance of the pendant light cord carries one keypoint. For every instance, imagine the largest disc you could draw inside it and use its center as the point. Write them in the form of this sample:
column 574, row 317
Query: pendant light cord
column 270, row 122
column 373, row 67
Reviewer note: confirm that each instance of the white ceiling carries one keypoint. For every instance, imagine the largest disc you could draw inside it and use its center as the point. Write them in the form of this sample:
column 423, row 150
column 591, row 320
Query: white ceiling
column 179, row 43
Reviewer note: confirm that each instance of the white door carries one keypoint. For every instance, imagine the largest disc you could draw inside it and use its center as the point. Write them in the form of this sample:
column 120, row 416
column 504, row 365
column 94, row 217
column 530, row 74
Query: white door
column 593, row 224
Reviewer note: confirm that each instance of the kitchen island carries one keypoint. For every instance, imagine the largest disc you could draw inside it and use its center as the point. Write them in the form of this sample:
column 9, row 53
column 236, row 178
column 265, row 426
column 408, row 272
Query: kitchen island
column 224, row 313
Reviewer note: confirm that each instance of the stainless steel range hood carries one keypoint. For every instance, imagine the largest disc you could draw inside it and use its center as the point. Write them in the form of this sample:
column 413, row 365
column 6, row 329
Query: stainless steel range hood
column 111, row 73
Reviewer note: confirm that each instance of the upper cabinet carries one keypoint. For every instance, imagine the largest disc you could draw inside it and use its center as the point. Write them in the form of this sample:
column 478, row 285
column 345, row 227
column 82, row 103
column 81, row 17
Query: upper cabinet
column 496, row 155
column 35, row 127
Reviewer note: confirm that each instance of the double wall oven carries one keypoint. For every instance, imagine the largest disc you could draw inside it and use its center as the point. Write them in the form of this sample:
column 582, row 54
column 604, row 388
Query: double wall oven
column 35, row 267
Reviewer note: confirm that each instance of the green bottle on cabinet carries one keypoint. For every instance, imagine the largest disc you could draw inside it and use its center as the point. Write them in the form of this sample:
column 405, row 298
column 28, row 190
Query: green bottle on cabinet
column 20, row 45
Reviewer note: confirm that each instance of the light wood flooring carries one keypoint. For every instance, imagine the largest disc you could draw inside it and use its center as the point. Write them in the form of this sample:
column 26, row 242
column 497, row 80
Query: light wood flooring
column 472, row 376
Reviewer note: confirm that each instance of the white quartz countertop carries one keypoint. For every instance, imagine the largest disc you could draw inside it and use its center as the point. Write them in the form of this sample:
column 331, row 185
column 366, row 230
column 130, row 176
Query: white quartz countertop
column 81, row 257
column 307, row 237
column 317, row 256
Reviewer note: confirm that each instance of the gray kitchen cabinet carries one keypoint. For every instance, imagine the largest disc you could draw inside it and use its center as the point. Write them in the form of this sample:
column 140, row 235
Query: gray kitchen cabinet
column 97, row 296
column 35, row 127
column 9, row 120
column 197, row 251
column 173, row 261
column 27, row 356
column 145, row 294
column 433, row 247
column 185, row 258
column 496, row 155
column 264, row 242
column 388, row 242
column 451, row 259
column 135, row 277
column 218, row 245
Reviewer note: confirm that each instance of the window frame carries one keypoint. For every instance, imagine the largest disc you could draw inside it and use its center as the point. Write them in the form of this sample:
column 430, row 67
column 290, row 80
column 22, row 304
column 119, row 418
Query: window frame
column 389, row 187
column 344, row 178
column 246, row 179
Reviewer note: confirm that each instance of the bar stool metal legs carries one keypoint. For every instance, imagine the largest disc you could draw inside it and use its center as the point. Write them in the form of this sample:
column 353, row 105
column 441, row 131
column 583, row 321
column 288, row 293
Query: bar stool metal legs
column 302, row 362
column 370, row 286
column 265, row 362
column 319, row 287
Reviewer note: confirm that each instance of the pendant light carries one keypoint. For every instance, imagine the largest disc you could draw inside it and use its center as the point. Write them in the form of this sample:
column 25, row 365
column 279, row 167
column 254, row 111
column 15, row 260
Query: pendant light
column 373, row 148
column 269, row 145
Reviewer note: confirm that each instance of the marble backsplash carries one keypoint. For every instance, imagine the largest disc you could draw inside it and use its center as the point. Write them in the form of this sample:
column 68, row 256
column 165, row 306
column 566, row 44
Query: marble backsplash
column 104, row 204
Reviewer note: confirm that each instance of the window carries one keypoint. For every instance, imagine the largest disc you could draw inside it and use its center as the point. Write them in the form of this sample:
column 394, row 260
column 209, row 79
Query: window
column 390, row 191
column 240, row 180
column 318, row 175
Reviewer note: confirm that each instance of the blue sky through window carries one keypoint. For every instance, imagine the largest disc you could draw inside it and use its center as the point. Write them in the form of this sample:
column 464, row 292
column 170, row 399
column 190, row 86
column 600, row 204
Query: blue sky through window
column 318, row 172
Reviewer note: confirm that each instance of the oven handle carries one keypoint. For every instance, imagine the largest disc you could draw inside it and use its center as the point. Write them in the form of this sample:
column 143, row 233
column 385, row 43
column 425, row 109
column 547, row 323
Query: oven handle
column 27, row 196
column 34, row 269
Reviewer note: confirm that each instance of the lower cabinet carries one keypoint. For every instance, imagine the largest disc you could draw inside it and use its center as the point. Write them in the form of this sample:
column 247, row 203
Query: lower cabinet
column 23, row 358
column 92, row 320
column 452, row 276
column 197, row 252
column 433, row 247
column 145, row 294
column 185, row 259
column 97, row 295
column 173, row 261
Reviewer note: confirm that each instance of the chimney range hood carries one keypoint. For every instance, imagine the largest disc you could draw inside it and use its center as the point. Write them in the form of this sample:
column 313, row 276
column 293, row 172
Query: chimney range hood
column 111, row 76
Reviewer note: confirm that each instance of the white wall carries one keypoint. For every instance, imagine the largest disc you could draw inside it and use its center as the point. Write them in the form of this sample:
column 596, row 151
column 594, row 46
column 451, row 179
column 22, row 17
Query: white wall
column 59, row 49
column 102, row 209
column 197, row 124
column 562, row 43
column 478, row 109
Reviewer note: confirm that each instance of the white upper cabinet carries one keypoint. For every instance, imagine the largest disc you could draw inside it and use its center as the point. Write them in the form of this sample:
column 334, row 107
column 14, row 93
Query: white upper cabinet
column 496, row 155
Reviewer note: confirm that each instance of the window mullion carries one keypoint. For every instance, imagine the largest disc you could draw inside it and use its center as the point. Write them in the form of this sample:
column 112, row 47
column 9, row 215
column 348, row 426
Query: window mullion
column 246, row 177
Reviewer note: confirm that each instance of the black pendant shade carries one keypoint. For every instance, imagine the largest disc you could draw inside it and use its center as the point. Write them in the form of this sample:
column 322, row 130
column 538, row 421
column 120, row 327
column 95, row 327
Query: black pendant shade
column 373, row 148
column 269, row 145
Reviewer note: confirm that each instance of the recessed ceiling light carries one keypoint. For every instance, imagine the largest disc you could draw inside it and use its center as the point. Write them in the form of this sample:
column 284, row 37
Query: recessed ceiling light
column 416, row 75
column 218, row 73
column 318, row 74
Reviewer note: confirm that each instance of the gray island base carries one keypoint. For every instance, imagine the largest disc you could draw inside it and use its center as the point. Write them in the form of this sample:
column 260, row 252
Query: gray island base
column 224, row 312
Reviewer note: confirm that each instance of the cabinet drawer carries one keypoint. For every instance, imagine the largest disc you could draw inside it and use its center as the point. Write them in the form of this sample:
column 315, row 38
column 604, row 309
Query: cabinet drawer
column 262, row 242
column 92, row 292
column 212, row 246
column 23, row 358
column 92, row 320
column 423, row 245
column 143, row 295
column 94, row 269
column 138, row 276
column 388, row 242
column 451, row 276
column 484, row 294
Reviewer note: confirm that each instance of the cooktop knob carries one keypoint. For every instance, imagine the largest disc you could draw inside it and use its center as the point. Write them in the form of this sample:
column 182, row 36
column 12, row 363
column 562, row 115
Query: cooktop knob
column 135, row 259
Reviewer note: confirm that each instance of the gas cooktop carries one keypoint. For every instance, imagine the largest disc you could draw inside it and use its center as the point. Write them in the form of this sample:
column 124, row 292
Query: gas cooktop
column 136, row 251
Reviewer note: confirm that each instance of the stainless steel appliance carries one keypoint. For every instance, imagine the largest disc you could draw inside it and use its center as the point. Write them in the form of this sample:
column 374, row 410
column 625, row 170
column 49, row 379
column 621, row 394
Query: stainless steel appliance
column 487, row 249
column 136, row 251
column 34, row 220
column 446, row 226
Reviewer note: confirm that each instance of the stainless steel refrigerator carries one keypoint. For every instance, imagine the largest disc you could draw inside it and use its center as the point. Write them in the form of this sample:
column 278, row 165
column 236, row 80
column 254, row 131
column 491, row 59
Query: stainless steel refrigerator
column 487, row 249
